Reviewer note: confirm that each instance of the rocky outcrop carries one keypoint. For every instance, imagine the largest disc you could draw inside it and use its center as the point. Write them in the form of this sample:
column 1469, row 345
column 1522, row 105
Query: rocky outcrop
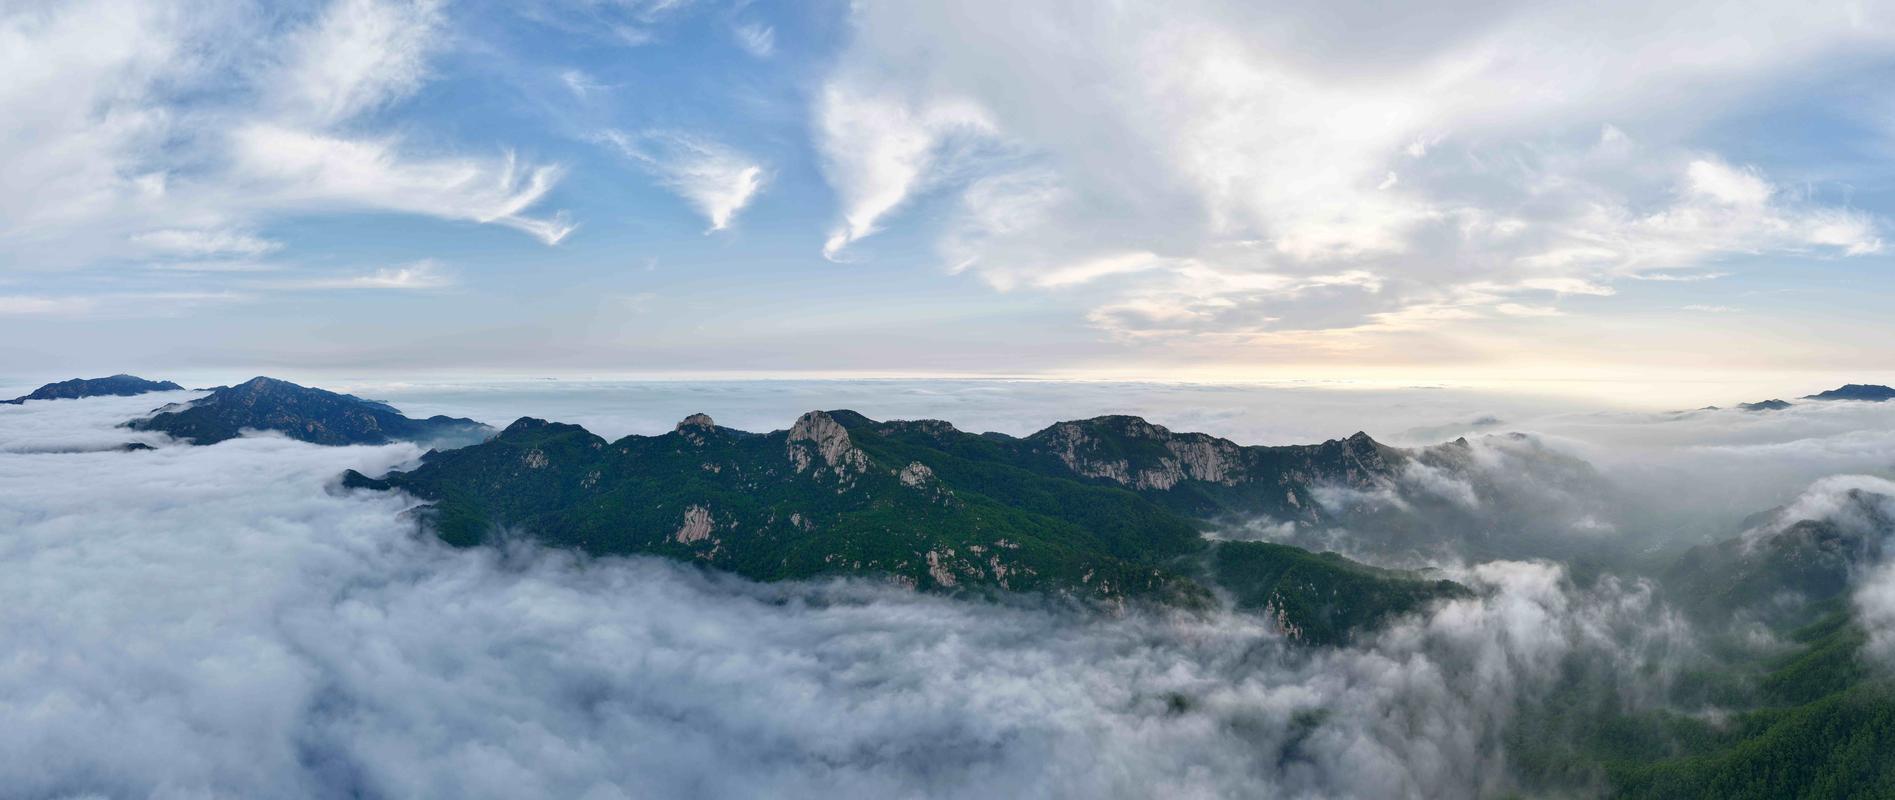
column 697, row 526
column 1094, row 448
column 695, row 428
column 916, row 475
column 818, row 438
column 938, row 568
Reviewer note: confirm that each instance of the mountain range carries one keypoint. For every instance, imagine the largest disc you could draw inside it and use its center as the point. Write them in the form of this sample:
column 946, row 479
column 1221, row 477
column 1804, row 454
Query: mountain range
column 1864, row 392
column 1109, row 509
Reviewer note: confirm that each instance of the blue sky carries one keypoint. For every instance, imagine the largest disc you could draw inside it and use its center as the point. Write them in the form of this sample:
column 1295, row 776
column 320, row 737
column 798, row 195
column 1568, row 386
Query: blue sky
column 1468, row 192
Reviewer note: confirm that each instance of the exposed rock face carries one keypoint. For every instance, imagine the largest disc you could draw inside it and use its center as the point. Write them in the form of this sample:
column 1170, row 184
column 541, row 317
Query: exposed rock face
column 938, row 568
column 822, row 433
column 1203, row 458
column 1190, row 456
column 916, row 475
column 1279, row 620
column 1363, row 460
column 534, row 459
column 1073, row 443
column 697, row 526
column 695, row 428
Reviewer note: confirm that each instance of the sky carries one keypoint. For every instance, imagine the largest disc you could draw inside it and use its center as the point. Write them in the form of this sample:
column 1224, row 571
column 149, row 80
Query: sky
column 1460, row 193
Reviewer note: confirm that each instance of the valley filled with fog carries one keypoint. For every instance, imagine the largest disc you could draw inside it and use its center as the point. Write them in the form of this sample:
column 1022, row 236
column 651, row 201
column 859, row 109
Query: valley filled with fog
column 229, row 621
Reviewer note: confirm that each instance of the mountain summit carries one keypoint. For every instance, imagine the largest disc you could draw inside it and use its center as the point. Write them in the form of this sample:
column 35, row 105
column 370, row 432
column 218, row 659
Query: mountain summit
column 115, row 386
column 302, row 413
column 1874, row 393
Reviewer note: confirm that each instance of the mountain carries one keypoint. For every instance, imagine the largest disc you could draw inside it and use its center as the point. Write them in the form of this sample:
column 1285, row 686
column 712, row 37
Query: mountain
column 1781, row 563
column 1202, row 475
column 1856, row 391
column 919, row 502
column 302, row 413
column 1765, row 405
column 115, row 386
column 1320, row 598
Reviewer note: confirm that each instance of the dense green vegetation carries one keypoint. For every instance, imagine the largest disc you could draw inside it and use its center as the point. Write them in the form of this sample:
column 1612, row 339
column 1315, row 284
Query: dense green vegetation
column 920, row 502
column 1825, row 728
column 1816, row 720
column 302, row 413
column 1322, row 597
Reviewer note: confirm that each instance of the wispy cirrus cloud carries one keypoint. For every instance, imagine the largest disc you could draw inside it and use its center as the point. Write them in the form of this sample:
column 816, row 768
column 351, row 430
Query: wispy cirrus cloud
column 425, row 274
column 201, row 243
column 717, row 180
column 116, row 304
column 755, row 38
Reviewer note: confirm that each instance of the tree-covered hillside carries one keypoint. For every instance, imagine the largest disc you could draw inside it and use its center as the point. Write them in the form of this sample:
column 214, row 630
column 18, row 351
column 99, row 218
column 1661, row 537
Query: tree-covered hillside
column 919, row 501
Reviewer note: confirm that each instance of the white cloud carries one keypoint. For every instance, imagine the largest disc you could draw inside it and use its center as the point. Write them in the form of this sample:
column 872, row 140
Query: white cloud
column 756, row 39
column 201, row 243
column 717, row 180
column 1724, row 209
column 18, row 305
column 304, row 169
column 120, row 305
column 359, row 56
column 419, row 275
column 1447, row 159
column 154, row 125
column 579, row 83
column 229, row 624
column 877, row 150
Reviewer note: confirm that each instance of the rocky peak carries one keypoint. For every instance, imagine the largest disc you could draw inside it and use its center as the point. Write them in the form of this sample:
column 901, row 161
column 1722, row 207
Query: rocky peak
column 695, row 427
column 820, row 432
column 525, row 424
column 916, row 475
column 1083, row 447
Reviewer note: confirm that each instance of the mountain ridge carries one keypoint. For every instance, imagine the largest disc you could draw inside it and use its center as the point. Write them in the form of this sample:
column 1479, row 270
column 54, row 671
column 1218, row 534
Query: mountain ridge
column 303, row 413
column 920, row 502
column 120, row 385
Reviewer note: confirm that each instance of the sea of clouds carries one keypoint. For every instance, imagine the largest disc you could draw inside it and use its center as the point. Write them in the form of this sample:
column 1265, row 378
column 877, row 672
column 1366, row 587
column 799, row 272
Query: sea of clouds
column 225, row 621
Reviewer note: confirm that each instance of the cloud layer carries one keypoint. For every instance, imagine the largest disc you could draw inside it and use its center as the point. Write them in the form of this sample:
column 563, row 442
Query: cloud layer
column 224, row 621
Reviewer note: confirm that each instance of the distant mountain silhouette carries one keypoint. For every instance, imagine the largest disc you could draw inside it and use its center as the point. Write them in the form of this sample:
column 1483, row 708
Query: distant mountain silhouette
column 299, row 412
column 113, row 386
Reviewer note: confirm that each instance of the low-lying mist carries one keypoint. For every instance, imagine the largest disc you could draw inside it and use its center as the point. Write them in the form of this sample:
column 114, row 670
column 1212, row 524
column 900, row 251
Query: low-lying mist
column 226, row 621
